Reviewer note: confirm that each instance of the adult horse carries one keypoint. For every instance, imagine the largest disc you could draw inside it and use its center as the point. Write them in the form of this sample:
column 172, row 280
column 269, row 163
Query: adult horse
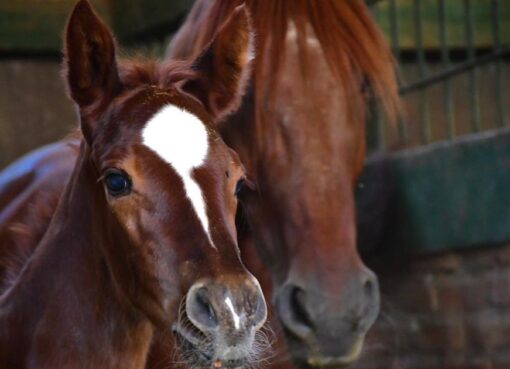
column 147, row 218
column 300, row 132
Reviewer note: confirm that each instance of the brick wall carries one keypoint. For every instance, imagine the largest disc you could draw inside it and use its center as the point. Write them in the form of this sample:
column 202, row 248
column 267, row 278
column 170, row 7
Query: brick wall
column 450, row 311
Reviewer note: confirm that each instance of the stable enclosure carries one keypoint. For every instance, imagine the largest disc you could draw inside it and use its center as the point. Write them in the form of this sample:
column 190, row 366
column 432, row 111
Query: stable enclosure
column 434, row 200
column 436, row 190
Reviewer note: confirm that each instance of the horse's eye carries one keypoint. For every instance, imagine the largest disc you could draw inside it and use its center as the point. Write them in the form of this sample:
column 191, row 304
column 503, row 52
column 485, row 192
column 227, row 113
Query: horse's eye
column 117, row 182
column 239, row 186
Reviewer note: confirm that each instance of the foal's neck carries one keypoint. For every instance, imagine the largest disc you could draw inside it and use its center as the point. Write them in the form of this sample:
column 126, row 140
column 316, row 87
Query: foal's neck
column 64, row 310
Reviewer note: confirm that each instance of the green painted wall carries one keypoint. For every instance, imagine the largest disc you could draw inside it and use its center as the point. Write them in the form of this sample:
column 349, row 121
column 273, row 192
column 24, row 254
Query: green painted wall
column 448, row 195
column 37, row 26
column 33, row 25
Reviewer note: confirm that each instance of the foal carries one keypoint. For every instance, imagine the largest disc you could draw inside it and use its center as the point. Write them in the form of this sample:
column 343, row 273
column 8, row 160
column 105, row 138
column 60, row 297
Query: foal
column 146, row 220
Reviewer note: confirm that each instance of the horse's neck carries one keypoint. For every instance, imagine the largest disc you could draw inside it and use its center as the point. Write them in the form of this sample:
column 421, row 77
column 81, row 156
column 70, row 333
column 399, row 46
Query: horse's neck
column 63, row 311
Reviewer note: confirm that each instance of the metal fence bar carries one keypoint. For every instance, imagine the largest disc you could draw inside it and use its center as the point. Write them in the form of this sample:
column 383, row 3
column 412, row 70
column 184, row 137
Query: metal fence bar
column 445, row 59
column 377, row 116
column 453, row 62
column 394, row 29
column 473, row 74
column 395, row 44
column 422, row 71
column 469, row 65
column 499, row 73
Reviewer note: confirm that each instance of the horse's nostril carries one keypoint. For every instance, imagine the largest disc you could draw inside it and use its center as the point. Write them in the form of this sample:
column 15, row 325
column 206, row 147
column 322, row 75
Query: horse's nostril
column 369, row 302
column 298, row 305
column 294, row 312
column 356, row 323
column 368, row 286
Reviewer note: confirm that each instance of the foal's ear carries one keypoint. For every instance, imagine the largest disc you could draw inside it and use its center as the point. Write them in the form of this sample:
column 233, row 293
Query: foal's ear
column 224, row 66
column 90, row 65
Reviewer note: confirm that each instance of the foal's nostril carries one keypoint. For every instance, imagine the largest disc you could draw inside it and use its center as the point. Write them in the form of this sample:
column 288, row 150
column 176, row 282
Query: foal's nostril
column 200, row 310
column 259, row 317
column 205, row 307
column 237, row 306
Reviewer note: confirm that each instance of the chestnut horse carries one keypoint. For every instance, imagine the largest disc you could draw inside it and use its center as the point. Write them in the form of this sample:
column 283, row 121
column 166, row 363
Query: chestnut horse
column 147, row 219
column 300, row 133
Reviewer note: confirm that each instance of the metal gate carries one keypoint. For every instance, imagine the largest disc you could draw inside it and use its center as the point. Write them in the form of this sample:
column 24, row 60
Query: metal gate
column 454, row 71
column 441, row 176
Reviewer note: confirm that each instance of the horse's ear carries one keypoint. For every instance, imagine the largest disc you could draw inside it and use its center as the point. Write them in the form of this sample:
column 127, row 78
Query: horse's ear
column 90, row 61
column 223, row 67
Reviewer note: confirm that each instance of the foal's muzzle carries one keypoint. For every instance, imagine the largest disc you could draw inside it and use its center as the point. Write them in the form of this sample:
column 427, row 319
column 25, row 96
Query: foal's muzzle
column 227, row 313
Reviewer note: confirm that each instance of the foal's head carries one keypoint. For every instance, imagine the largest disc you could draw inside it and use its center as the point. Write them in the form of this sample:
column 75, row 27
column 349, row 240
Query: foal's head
column 170, row 181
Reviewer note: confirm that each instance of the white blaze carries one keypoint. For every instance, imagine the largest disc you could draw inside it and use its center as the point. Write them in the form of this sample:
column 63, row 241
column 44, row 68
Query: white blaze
column 235, row 317
column 181, row 140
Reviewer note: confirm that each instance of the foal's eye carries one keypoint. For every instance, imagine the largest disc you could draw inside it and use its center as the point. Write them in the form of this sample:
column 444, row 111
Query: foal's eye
column 239, row 186
column 117, row 182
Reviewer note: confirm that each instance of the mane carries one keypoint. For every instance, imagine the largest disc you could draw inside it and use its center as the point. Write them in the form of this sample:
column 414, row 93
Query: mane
column 139, row 71
column 24, row 235
column 352, row 44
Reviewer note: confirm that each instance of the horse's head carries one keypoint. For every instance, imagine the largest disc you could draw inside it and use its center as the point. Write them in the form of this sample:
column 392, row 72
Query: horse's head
column 305, row 148
column 170, row 182
column 302, row 216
